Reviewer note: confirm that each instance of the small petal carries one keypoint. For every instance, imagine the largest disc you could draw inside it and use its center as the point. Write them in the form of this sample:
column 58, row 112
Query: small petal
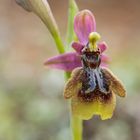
column 102, row 46
column 84, row 24
column 77, row 47
column 74, row 84
column 85, row 110
column 67, row 61
column 116, row 84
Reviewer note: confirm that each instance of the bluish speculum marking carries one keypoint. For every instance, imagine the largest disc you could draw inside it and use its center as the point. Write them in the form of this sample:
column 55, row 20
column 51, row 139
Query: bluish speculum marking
column 94, row 81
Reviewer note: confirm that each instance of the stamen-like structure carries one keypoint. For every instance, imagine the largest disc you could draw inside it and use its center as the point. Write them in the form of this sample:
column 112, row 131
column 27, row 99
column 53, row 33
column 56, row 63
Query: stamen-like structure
column 93, row 38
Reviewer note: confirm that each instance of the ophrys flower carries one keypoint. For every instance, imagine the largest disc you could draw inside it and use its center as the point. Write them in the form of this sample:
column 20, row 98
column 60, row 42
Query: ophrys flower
column 92, row 88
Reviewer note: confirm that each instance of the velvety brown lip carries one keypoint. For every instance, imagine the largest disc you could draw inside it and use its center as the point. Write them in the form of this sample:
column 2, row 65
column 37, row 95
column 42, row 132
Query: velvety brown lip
column 90, row 97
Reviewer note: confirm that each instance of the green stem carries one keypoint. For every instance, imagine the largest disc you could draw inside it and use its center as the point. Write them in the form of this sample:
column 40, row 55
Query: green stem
column 73, row 9
column 59, row 43
column 77, row 128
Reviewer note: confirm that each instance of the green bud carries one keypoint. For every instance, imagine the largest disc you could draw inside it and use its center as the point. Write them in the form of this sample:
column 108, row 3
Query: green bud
column 42, row 9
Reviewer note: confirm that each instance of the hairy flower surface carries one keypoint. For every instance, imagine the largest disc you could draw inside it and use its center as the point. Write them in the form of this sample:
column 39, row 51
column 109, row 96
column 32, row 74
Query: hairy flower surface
column 90, row 97
column 84, row 24
column 92, row 88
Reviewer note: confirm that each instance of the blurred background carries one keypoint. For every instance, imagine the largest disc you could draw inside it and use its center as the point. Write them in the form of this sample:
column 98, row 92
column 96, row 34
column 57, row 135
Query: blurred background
column 31, row 102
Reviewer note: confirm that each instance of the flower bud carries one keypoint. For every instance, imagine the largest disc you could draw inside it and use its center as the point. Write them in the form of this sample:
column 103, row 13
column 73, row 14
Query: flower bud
column 42, row 9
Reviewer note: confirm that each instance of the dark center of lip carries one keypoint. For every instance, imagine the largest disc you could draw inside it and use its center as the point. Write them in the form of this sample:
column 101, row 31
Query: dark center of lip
column 94, row 85
column 95, row 95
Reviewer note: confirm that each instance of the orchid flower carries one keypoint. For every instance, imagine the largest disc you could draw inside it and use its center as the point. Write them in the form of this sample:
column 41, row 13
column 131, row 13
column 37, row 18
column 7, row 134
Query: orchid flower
column 84, row 24
column 91, row 88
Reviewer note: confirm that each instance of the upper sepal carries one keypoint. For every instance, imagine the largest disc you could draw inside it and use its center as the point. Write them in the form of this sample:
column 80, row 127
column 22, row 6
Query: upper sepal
column 84, row 24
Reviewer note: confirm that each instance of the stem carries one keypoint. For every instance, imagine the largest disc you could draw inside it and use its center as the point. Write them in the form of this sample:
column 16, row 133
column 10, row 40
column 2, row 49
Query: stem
column 59, row 43
column 77, row 127
column 73, row 9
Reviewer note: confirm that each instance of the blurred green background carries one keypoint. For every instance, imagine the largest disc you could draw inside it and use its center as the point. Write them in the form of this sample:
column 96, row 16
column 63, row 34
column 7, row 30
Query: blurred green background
column 31, row 102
